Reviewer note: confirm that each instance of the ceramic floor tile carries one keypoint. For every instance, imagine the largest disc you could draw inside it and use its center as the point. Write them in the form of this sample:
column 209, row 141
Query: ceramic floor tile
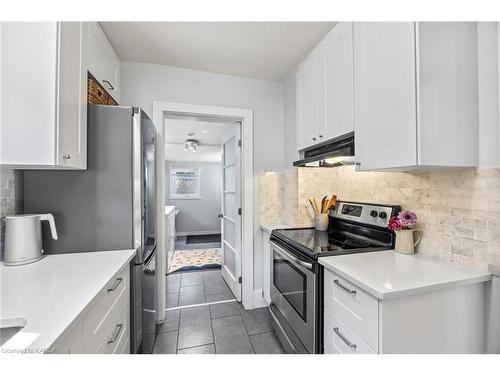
column 204, row 349
column 173, row 283
column 166, row 343
column 191, row 278
column 172, row 300
column 256, row 320
column 221, row 310
column 195, row 327
column 171, row 322
column 266, row 343
column 214, row 284
column 219, row 297
column 231, row 336
column 191, row 295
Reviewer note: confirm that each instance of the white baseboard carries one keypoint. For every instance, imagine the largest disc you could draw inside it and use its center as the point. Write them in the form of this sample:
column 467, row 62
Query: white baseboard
column 259, row 300
column 197, row 233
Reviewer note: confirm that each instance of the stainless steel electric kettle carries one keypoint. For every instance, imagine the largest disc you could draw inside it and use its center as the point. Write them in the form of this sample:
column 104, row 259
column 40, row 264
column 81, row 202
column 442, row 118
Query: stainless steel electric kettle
column 23, row 238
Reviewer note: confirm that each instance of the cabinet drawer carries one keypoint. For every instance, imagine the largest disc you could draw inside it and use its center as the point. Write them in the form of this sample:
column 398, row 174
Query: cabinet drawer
column 117, row 333
column 356, row 308
column 339, row 339
column 103, row 313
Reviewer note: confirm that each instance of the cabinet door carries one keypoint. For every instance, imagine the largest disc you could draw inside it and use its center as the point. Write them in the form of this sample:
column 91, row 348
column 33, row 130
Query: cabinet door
column 308, row 102
column 104, row 64
column 385, row 95
column 72, row 96
column 336, row 82
column 28, row 93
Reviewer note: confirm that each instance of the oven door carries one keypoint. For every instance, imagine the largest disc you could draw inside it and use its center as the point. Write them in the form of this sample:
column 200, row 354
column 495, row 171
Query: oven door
column 293, row 290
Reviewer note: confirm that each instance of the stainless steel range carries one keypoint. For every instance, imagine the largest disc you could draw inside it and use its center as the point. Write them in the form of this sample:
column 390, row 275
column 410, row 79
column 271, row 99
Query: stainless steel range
column 297, row 277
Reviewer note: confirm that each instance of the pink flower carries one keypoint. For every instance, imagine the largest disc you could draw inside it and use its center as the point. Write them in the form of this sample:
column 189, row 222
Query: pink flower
column 407, row 219
column 394, row 224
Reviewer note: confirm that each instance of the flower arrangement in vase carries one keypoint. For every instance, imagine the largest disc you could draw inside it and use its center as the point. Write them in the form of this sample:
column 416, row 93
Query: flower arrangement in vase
column 403, row 225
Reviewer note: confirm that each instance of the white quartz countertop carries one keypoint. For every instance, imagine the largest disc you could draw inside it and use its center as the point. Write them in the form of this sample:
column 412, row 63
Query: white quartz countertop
column 50, row 294
column 169, row 209
column 270, row 227
column 387, row 274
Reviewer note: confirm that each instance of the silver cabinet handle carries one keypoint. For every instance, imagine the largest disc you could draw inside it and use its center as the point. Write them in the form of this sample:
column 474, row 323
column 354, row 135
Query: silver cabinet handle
column 291, row 258
column 109, row 84
column 336, row 282
column 344, row 339
column 67, row 157
column 115, row 285
column 116, row 334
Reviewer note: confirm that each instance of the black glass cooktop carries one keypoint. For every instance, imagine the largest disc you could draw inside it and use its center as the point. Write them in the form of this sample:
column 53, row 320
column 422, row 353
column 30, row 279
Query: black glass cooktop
column 315, row 243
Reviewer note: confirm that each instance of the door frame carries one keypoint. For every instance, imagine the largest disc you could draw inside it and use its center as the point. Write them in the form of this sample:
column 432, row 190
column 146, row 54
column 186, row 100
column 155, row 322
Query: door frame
column 160, row 110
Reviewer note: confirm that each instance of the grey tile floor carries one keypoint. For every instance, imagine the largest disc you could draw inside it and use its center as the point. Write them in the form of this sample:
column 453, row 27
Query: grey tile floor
column 219, row 328
column 192, row 288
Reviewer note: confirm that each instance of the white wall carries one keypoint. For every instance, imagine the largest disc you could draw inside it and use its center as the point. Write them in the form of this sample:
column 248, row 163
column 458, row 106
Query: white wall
column 198, row 215
column 144, row 83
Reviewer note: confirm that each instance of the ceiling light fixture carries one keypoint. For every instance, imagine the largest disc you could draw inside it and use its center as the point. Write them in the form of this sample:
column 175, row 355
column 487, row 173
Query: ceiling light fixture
column 190, row 145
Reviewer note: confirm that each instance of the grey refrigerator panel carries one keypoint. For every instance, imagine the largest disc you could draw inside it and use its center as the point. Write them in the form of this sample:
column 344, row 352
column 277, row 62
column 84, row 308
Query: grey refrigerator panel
column 93, row 209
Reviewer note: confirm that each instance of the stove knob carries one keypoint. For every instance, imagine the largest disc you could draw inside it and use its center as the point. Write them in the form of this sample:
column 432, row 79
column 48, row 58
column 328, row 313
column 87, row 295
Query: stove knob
column 373, row 213
column 382, row 215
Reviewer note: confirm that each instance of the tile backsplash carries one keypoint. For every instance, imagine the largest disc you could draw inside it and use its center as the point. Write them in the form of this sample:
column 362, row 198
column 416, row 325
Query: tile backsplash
column 8, row 201
column 459, row 210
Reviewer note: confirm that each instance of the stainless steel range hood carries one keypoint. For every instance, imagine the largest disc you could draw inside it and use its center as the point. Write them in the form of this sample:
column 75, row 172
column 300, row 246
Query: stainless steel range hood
column 336, row 152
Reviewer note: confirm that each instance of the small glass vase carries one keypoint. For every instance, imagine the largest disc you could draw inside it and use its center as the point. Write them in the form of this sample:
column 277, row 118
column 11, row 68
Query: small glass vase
column 405, row 241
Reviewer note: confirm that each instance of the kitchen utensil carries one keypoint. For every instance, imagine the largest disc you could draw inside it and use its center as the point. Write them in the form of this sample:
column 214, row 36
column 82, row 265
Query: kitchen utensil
column 312, row 205
column 23, row 238
column 316, row 205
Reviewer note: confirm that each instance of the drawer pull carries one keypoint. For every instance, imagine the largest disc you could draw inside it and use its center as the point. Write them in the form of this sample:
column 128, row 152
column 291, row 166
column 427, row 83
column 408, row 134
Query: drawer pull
column 336, row 282
column 110, row 86
column 115, row 285
column 116, row 334
column 344, row 339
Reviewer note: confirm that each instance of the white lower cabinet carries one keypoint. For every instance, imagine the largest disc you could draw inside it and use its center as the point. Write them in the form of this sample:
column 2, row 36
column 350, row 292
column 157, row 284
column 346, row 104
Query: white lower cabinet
column 104, row 327
column 450, row 321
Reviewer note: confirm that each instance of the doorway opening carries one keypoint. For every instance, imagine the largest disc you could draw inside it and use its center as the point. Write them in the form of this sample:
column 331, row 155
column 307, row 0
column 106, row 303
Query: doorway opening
column 208, row 207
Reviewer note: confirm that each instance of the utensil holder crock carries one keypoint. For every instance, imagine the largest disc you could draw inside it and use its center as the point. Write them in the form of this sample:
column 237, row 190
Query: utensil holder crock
column 321, row 222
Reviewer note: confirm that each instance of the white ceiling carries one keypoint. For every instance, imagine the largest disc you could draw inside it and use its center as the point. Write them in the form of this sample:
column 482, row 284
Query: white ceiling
column 206, row 131
column 261, row 50
column 203, row 154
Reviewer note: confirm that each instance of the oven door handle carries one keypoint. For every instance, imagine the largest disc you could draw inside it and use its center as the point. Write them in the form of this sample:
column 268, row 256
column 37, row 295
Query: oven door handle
column 291, row 258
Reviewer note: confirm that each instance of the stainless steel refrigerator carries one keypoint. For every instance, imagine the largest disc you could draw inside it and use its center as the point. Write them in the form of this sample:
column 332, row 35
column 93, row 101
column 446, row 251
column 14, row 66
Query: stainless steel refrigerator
column 109, row 206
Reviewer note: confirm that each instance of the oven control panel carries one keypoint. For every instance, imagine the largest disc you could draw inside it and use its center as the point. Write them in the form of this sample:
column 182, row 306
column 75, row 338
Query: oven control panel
column 365, row 213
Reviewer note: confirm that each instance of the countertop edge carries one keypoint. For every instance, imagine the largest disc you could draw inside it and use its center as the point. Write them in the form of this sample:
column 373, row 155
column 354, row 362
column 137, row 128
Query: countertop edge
column 269, row 227
column 91, row 301
column 407, row 292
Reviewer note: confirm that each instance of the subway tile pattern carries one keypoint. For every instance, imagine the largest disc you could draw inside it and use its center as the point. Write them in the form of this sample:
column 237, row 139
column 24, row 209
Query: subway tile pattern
column 459, row 210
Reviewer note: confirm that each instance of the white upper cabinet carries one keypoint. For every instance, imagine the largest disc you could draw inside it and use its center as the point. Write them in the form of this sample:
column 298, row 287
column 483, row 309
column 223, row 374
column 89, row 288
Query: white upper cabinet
column 104, row 63
column 415, row 95
column 325, row 89
column 336, row 82
column 43, row 95
column 308, row 102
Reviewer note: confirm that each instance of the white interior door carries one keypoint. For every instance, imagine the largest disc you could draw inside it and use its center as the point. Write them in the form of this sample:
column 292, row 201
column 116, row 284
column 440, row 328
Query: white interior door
column 231, row 211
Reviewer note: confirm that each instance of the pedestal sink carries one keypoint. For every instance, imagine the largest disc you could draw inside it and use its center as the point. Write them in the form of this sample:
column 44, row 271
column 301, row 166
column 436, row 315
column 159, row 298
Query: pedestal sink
column 9, row 327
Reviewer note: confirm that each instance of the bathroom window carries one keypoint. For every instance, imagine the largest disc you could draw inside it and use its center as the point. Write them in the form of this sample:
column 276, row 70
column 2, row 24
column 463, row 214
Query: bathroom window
column 184, row 183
